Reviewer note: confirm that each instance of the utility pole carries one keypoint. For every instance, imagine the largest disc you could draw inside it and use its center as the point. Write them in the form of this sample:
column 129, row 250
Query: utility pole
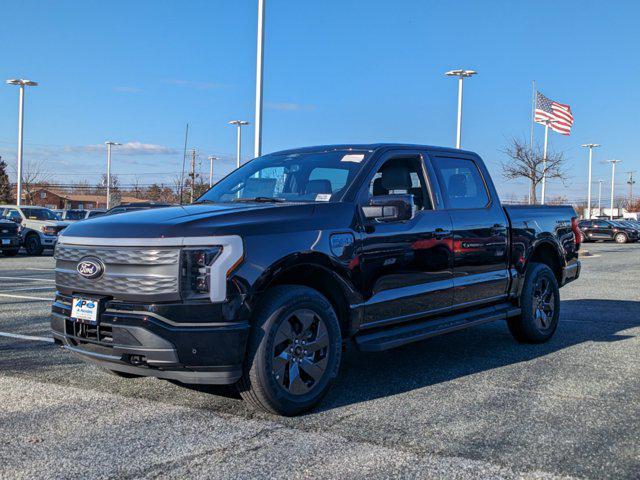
column 109, row 144
column 630, row 182
column 193, row 173
column 613, row 179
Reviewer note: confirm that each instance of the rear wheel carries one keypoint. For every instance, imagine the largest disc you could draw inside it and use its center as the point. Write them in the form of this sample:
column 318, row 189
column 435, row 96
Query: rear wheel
column 32, row 244
column 540, row 305
column 620, row 238
column 294, row 351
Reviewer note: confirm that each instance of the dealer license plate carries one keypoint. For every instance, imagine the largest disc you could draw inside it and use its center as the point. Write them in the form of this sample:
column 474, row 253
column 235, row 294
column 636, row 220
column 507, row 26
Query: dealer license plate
column 85, row 310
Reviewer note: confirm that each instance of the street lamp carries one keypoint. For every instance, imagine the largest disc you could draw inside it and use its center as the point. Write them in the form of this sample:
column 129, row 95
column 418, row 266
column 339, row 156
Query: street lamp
column 590, row 146
column 461, row 74
column 211, row 159
column 257, row 137
column 239, row 124
column 600, row 182
column 109, row 145
column 21, row 83
column 613, row 178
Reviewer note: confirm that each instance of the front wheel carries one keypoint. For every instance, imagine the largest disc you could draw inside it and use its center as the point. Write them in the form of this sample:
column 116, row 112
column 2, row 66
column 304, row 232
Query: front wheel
column 620, row 238
column 32, row 245
column 294, row 350
column 540, row 305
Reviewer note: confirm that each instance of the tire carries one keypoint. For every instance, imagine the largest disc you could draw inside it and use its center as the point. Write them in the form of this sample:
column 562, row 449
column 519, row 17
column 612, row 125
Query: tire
column 620, row 238
column 279, row 326
column 540, row 312
column 32, row 244
column 10, row 252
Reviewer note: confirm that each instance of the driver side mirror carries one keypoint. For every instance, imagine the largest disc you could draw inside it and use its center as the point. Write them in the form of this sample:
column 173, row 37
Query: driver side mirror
column 390, row 208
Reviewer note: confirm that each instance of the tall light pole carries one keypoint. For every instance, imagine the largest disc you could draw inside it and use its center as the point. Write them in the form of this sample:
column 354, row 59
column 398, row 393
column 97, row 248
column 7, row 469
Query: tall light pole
column 257, row 138
column 239, row 124
column 590, row 146
column 461, row 74
column 613, row 179
column 211, row 159
column 109, row 144
column 600, row 182
column 21, row 83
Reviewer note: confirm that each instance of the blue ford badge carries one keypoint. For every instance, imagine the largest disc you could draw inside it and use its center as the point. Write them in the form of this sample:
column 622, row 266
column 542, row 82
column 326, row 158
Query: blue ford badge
column 89, row 267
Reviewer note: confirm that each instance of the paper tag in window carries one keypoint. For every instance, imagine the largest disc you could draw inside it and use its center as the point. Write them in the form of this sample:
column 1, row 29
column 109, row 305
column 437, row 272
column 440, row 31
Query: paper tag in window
column 353, row 157
column 323, row 197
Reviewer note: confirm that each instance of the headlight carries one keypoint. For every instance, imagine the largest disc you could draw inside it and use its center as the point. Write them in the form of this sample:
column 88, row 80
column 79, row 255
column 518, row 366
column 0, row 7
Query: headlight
column 196, row 270
column 48, row 230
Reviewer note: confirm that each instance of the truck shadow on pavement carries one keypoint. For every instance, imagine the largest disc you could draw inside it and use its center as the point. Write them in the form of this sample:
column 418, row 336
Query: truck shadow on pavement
column 363, row 376
column 367, row 376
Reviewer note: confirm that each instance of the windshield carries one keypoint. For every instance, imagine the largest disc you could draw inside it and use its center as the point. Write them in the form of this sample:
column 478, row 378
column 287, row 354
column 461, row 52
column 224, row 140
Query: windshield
column 295, row 177
column 74, row 214
column 39, row 214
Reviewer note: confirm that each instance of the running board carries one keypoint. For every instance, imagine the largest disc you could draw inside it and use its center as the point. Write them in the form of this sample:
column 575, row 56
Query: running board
column 391, row 337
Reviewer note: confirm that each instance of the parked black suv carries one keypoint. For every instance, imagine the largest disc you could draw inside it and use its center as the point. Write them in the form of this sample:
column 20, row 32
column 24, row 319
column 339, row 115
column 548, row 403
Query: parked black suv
column 9, row 237
column 262, row 279
column 599, row 229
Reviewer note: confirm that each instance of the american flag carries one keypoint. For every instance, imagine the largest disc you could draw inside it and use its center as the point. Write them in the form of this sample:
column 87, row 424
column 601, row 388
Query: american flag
column 557, row 115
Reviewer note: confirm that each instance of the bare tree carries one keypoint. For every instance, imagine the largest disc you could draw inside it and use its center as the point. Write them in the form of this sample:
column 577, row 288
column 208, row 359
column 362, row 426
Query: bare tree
column 528, row 163
column 34, row 176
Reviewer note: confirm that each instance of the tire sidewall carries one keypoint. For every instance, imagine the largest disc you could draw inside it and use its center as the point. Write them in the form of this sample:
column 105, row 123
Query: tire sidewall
column 531, row 330
column 304, row 298
column 33, row 245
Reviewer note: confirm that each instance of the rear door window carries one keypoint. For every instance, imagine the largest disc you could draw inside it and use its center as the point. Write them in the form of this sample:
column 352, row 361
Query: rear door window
column 461, row 182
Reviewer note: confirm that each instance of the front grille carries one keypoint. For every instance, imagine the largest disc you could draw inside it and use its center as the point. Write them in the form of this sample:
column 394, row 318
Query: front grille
column 93, row 333
column 129, row 273
column 131, row 256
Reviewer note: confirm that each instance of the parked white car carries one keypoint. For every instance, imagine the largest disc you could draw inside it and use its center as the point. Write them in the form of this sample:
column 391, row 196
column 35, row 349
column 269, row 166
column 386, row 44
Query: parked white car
column 39, row 226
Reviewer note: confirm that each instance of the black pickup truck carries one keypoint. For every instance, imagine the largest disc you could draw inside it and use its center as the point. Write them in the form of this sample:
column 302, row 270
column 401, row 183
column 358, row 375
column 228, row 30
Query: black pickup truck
column 261, row 281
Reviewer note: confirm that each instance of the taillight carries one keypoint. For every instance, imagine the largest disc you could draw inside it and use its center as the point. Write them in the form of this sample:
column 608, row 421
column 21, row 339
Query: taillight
column 576, row 230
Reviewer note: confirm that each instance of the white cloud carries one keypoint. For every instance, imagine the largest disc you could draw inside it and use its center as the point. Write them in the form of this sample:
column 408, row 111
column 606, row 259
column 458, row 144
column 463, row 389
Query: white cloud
column 195, row 84
column 129, row 148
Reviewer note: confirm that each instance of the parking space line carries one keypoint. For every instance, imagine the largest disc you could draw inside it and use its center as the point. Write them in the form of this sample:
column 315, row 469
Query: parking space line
column 50, row 299
column 28, row 278
column 26, row 337
column 28, row 288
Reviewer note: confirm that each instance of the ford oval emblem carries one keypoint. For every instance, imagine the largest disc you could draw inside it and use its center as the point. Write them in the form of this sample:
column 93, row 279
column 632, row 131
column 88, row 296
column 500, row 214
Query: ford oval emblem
column 89, row 267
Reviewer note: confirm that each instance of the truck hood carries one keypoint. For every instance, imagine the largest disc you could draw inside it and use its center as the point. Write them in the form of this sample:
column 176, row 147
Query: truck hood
column 36, row 224
column 195, row 221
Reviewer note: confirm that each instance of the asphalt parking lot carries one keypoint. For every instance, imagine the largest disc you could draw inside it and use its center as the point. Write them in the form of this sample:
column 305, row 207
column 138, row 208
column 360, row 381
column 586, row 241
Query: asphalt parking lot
column 471, row 404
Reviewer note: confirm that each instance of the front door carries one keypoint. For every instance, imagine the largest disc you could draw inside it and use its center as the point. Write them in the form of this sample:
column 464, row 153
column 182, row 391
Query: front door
column 480, row 230
column 601, row 230
column 406, row 266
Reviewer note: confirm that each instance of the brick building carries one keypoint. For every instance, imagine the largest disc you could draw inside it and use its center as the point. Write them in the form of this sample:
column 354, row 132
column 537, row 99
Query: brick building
column 56, row 199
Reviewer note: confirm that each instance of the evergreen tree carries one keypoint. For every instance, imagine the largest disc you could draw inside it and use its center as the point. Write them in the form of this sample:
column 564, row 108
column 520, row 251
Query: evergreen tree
column 6, row 195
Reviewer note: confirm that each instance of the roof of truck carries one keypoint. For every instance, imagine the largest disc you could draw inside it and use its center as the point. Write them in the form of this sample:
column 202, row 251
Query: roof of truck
column 368, row 147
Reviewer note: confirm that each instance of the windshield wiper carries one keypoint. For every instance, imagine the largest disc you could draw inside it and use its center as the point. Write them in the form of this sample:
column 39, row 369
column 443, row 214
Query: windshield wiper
column 260, row 200
column 204, row 200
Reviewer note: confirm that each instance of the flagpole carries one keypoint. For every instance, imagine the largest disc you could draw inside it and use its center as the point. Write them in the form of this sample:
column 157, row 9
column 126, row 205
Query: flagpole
column 533, row 116
column 544, row 161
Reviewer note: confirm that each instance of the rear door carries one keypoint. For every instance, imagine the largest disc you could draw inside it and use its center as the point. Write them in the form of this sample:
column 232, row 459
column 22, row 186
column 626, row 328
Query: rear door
column 480, row 229
column 406, row 266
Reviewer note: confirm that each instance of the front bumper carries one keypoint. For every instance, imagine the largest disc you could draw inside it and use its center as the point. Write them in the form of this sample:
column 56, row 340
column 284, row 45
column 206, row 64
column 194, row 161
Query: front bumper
column 141, row 340
column 48, row 241
column 9, row 242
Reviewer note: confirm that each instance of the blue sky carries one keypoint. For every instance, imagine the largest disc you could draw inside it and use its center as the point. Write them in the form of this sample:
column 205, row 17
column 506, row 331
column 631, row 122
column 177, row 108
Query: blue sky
column 336, row 71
